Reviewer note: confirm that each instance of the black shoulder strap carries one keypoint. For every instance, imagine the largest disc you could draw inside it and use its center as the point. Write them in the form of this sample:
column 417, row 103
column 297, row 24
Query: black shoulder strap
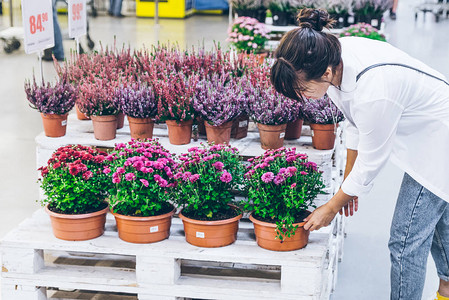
column 397, row 65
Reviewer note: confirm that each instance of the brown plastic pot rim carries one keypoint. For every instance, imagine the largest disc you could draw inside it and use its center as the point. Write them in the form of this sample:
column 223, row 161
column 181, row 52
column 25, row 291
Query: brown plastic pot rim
column 272, row 225
column 106, row 118
column 180, row 124
column 222, row 126
column 271, row 128
column 150, row 218
column 54, row 116
column 218, row 222
column 80, row 216
column 323, row 127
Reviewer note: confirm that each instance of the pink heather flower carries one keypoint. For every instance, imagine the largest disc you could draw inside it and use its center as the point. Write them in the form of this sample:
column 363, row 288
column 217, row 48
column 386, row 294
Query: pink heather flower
column 267, row 177
column 144, row 182
column 106, row 171
column 218, row 165
column 116, row 179
column 293, row 185
column 130, row 176
column 194, row 178
column 87, row 175
column 303, row 173
column 278, row 180
column 120, row 170
column 226, row 177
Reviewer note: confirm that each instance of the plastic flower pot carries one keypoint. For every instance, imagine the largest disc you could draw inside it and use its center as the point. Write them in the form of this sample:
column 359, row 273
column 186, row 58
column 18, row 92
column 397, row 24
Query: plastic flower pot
column 105, row 127
column 143, row 230
column 293, row 130
column 210, row 234
column 141, row 128
column 323, row 136
column 120, row 120
column 266, row 236
column 78, row 227
column 179, row 133
column 54, row 125
column 201, row 127
column 80, row 115
column 271, row 136
column 218, row 134
column 240, row 127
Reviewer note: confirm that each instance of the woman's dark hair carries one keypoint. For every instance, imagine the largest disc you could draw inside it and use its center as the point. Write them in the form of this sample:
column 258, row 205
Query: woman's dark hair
column 305, row 53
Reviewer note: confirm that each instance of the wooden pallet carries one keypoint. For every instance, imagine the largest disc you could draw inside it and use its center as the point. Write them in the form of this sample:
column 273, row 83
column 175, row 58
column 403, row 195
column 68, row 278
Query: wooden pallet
column 34, row 262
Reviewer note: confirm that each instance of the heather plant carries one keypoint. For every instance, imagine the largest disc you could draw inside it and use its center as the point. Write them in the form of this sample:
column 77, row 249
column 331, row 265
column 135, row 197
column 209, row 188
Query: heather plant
column 268, row 107
column 206, row 177
column 336, row 7
column 247, row 4
column 74, row 180
column 322, row 111
column 96, row 96
column 141, row 174
column 372, row 8
column 57, row 98
column 282, row 185
column 247, row 34
column 218, row 99
column 176, row 92
column 364, row 30
column 136, row 100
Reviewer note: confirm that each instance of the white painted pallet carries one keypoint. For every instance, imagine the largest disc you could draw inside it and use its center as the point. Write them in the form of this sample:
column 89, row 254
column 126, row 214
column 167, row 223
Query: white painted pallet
column 171, row 269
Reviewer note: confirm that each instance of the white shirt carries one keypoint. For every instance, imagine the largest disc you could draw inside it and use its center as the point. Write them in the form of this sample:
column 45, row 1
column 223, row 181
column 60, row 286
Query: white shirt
column 395, row 113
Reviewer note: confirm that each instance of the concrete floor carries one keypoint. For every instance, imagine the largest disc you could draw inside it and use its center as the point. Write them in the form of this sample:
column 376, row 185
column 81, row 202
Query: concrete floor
column 364, row 272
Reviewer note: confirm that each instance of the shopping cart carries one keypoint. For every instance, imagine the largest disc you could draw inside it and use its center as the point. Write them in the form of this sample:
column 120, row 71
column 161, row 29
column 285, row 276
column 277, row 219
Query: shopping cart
column 438, row 9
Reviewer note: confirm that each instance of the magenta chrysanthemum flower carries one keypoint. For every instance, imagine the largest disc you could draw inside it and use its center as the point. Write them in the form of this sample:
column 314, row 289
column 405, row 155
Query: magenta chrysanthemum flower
column 120, row 170
column 268, row 177
column 303, row 173
column 194, row 178
column 130, row 176
column 87, row 175
column 186, row 176
column 116, row 179
column 226, row 177
column 144, row 182
column 279, row 180
column 106, row 171
column 218, row 165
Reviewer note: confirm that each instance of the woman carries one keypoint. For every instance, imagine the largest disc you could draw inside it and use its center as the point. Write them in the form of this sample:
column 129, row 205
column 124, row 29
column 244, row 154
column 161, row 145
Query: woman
column 398, row 111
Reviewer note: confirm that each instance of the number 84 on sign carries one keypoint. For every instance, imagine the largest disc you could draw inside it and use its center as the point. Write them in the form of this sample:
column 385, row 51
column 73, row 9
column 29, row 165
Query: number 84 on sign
column 37, row 17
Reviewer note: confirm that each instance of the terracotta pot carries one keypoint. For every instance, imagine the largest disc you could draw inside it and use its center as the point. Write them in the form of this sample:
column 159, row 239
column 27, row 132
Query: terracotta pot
column 218, row 134
column 105, row 127
column 293, row 130
column 143, row 230
column 78, row 227
column 80, row 115
column 210, row 234
column 54, row 125
column 266, row 236
column 323, row 136
column 120, row 120
column 179, row 134
column 240, row 127
column 271, row 136
column 141, row 128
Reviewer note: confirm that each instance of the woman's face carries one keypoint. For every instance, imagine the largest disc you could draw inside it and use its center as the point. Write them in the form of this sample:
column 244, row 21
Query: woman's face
column 316, row 89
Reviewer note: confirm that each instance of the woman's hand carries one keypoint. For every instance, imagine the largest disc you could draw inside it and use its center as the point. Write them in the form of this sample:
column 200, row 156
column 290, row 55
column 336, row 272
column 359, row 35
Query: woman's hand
column 351, row 207
column 320, row 217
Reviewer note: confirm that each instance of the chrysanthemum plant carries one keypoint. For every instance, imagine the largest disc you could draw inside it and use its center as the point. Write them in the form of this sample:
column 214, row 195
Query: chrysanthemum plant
column 206, row 178
column 364, row 30
column 74, row 180
column 282, row 185
column 142, row 174
column 247, row 34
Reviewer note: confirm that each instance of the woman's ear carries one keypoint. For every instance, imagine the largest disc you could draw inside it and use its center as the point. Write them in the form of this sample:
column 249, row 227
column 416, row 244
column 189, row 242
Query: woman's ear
column 327, row 76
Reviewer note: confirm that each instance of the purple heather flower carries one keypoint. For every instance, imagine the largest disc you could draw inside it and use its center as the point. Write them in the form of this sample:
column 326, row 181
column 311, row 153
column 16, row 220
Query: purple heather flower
column 322, row 111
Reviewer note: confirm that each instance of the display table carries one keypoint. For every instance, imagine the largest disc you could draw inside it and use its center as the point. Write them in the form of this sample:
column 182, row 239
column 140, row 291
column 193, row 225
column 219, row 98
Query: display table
column 34, row 262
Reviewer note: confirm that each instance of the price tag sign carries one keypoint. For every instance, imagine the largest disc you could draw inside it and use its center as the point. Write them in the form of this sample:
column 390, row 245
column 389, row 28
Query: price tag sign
column 38, row 25
column 77, row 18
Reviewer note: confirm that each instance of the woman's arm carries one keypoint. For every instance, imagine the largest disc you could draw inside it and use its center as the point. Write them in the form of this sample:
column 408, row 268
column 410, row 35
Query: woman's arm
column 353, row 206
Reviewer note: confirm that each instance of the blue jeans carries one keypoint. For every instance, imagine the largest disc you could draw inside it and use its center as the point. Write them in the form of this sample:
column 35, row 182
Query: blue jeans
column 420, row 224
column 116, row 7
column 58, row 49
